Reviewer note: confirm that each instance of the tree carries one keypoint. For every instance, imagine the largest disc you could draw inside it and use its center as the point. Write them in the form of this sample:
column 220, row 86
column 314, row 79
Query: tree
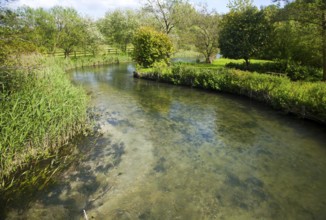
column 92, row 37
column 168, row 13
column 118, row 27
column 14, row 34
column 39, row 27
column 309, row 12
column 239, row 5
column 69, row 29
column 151, row 46
column 244, row 34
column 206, row 33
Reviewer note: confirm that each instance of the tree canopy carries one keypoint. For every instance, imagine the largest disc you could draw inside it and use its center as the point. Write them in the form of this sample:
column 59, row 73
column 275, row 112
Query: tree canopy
column 168, row 13
column 308, row 12
column 206, row 29
column 294, row 33
column 244, row 34
column 119, row 26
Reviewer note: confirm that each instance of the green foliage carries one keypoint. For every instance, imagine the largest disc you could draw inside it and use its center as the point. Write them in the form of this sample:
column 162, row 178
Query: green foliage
column 13, row 39
column 240, row 5
column 311, row 14
column 305, row 99
column 268, row 67
column 70, row 29
column 169, row 13
column 118, row 27
column 293, row 70
column 244, row 34
column 40, row 112
column 294, row 41
column 26, row 30
column 151, row 46
column 206, row 34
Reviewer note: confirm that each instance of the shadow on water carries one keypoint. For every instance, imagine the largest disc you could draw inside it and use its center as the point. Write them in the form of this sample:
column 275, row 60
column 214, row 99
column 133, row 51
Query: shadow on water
column 78, row 188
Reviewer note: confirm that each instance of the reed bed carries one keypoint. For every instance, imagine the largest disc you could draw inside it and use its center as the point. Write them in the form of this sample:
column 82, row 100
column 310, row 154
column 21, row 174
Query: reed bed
column 40, row 112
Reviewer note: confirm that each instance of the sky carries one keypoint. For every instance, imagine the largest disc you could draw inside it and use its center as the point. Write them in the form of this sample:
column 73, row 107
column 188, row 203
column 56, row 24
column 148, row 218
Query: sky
column 97, row 8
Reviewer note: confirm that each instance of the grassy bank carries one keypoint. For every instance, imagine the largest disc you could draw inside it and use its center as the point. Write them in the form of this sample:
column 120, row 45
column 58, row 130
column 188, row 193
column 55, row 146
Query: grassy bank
column 71, row 63
column 41, row 111
column 305, row 99
column 41, row 116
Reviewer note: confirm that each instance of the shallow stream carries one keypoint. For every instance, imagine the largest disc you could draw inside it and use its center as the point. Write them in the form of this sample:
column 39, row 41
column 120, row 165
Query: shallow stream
column 179, row 153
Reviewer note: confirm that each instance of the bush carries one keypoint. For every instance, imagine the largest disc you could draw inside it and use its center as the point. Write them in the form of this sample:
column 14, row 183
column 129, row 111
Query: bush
column 268, row 67
column 293, row 70
column 297, row 72
column 151, row 46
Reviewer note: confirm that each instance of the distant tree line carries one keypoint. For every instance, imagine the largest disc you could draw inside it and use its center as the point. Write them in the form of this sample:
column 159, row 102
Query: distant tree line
column 295, row 32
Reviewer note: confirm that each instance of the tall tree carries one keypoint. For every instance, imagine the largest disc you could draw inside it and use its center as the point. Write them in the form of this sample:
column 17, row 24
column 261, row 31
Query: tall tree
column 14, row 34
column 69, row 29
column 92, row 38
column 206, row 33
column 239, row 5
column 40, row 27
column 244, row 34
column 311, row 12
column 119, row 26
column 168, row 13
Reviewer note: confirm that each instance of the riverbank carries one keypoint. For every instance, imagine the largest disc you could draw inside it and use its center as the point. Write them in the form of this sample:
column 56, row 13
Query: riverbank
column 41, row 113
column 304, row 99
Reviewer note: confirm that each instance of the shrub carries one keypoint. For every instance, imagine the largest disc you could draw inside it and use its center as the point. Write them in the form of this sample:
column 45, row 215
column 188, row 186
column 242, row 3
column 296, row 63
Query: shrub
column 293, row 70
column 151, row 46
column 298, row 72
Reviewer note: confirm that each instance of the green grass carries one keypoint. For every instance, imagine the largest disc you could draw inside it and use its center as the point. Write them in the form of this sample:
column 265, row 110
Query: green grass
column 186, row 53
column 70, row 63
column 221, row 62
column 41, row 111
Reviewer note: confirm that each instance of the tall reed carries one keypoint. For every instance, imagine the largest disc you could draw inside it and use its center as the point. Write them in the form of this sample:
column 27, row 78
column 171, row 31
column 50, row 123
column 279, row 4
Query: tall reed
column 40, row 112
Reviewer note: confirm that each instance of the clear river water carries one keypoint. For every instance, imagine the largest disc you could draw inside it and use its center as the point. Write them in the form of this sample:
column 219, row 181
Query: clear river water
column 170, row 152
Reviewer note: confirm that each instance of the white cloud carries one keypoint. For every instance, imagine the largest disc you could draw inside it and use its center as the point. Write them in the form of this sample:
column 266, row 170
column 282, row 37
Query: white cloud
column 97, row 8
column 93, row 8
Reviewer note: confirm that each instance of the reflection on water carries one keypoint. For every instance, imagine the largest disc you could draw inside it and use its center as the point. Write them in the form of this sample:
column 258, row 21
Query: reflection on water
column 178, row 153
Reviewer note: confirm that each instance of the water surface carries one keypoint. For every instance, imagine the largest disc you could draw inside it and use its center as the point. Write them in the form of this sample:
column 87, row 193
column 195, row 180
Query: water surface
column 178, row 153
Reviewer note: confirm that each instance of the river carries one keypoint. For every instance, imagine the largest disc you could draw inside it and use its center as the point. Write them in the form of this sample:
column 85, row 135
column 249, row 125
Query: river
column 170, row 152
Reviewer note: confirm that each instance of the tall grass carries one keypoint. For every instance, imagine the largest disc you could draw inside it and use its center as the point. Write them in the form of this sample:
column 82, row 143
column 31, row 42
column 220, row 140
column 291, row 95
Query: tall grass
column 70, row 63
column 305, row 99
column 40, row 112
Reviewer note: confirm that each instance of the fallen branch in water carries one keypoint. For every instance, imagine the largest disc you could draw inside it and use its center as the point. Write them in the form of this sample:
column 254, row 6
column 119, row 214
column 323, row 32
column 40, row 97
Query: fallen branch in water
column 85, row 215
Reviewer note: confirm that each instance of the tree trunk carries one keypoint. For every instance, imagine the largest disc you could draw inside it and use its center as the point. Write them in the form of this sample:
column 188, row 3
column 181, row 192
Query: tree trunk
column 324, row 45
column 208, row 59
column 247, row 62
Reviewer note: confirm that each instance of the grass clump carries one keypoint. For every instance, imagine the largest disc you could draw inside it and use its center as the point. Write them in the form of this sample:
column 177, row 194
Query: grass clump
column 40, row 112
column 306, row 99
column 71, row 63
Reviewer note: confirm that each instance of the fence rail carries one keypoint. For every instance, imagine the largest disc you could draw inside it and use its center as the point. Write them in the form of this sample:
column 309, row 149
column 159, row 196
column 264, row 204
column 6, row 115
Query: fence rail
column 87, row 53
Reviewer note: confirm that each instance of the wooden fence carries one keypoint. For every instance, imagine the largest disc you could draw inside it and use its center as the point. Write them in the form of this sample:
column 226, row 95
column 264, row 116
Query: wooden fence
column 87, row 53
